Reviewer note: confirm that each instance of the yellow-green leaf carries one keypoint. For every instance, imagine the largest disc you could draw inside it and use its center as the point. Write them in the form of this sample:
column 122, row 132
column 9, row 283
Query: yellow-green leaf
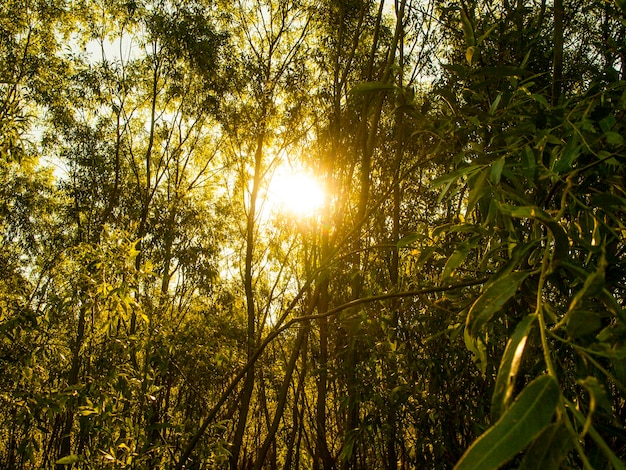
column 68, row 460
column 468, row 30
column 470, row 53
column 509, row 366
column 455, row 261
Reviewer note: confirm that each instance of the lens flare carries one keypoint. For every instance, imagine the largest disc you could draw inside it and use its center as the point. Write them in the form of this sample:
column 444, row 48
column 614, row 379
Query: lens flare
column 299, row 194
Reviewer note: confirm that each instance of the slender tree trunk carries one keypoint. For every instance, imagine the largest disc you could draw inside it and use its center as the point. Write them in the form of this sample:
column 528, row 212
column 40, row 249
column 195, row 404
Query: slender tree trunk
column 392, row 413
column 321, row 446
column 282, row 396
column 557, row 61
column 340, row 77
column 369, row 133
column 322, row 454
column 12, row 445
column 248, row 385
column 297, row 417
column 65, row 445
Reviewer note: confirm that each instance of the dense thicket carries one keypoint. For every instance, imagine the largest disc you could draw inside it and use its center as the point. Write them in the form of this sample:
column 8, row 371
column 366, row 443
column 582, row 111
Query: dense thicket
column 458, row 301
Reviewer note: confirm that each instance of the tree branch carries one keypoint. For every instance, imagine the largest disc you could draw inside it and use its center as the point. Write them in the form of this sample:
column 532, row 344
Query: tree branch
column 273, row 335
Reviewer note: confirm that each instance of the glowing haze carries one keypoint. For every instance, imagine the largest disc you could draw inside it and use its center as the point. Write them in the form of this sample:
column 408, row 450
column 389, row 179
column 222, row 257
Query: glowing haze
column 296, row 193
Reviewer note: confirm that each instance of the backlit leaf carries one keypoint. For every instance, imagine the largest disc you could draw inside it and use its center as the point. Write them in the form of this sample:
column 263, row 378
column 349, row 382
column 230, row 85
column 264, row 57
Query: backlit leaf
column 409, row 239
column 509, row 366
column 470, row 53
column 68, row 460
column 476, row 346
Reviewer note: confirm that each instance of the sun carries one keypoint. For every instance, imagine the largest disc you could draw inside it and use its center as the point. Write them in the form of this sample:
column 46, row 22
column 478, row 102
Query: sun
column 298, row 194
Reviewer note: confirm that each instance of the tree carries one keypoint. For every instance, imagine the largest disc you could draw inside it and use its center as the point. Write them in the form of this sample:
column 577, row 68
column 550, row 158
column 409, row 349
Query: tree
column 462, row 284
column 516, row 174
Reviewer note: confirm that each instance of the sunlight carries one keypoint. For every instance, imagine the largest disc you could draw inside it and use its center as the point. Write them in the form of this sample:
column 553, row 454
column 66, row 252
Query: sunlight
column 299, row 194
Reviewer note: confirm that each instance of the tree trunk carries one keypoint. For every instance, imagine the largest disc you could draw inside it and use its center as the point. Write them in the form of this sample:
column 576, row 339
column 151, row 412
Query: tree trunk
column 65, row 445
column 248, row 385
column 369, row 135
column 557, row 61
column 282, row 397
column 297, row 418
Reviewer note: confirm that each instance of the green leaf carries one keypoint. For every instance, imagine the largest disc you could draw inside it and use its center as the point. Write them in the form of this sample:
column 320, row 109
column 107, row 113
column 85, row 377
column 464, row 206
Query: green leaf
column 526, row 57
column 496, row 170
column 455, row 261
column 470, row 53
column 494, row 106
column 549, row 449
column 477, row 190
column 425, row 254
column 68, row 460
column 607, row 123
column 408, row 239
column 520, row 212
column 446, row 229
column 531, row 412
column 468, row 30
column 561, row 240
column 453, row 175
column 613, row 138
column 593, row 286
column 582, row 322
column 529, row 165
column 493, row 298
column 492, row 212
column 570, row 153
column 509, row 365
column 348, row 445
column 477, row 348
column 597, row 438
column 539, row 99
column 456, row 69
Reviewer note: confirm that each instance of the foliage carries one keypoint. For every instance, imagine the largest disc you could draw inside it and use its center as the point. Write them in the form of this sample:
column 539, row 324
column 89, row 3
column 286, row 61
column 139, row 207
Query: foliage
column 458, row 301
column 542, row 186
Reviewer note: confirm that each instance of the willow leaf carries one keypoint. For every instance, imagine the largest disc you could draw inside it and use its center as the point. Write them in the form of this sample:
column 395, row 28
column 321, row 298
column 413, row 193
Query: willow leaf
column 509, row 365
column 531, row 412
column 493, row 298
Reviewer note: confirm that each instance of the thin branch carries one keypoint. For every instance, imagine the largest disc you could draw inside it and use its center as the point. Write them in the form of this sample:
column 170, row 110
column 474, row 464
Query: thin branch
column 273, row 335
